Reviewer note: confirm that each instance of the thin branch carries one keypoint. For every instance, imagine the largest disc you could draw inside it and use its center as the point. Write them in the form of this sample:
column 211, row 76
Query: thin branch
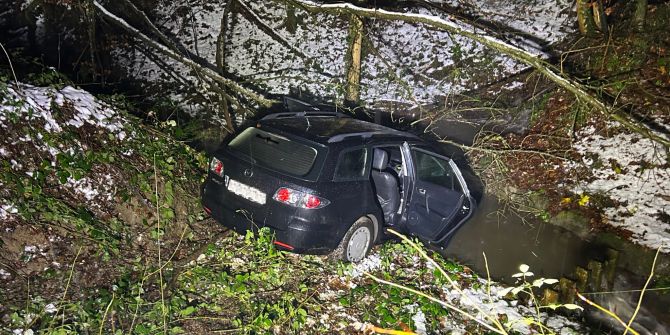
column 438, row 301
column 608, row 312
column 521, row 55
column 250, row 15
column 261, row 100
column 492, row 318
column 502, row 151
column 147, row 22
column 646, row 284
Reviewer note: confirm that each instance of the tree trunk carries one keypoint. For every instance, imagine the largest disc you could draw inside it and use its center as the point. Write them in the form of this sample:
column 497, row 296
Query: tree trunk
column 291, row 23
column 512, row 51
column 205, row 71
column 89, row 11
column 585, row 18
column 640, row 15
column 353, row 87
column 221, row 39
column 599, row 16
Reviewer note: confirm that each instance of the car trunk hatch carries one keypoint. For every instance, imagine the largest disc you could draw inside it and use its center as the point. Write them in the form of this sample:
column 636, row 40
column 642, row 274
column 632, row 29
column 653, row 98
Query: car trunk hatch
column 258, row 164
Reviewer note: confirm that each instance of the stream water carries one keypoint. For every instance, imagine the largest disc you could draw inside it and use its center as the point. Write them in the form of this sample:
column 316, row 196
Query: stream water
column 551, row 252
column 508, row 241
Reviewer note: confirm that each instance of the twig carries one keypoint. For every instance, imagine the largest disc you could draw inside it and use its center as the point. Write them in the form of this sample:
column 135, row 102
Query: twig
column 67, row 284
column 10, row 65
column 367, row 328
column 181, row 238
column 158, row 238
column 489, row 150
column 608, row 312
column 488, row 276
column 104, row 316
column 639, row 301
column 443, row 303
column 454, row 285
column 194, row 255
column 137, row 301
column 629, row 291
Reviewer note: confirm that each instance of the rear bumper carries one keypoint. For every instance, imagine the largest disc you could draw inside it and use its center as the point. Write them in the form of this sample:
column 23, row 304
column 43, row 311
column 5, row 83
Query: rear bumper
column 302, row 236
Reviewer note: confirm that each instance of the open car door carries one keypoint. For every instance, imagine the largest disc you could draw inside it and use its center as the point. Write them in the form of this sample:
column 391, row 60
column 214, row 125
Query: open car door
column 440, row 200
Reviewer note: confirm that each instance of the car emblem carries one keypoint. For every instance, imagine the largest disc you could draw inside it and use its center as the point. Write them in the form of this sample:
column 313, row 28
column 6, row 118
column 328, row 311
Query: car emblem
column 248, row 173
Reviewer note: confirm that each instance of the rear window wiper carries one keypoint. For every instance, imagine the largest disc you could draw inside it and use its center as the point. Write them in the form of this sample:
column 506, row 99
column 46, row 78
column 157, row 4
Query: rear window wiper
column 267, row 139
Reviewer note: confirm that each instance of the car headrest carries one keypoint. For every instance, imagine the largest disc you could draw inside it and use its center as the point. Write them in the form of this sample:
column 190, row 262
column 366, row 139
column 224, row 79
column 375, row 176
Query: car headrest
column 380, row 159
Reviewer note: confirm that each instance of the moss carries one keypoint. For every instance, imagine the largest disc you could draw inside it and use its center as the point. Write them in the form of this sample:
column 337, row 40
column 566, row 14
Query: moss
column 572, row 221
column 632, row 257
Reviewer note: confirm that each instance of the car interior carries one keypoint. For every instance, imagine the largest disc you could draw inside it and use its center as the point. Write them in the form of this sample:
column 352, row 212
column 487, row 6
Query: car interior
column 386, row 178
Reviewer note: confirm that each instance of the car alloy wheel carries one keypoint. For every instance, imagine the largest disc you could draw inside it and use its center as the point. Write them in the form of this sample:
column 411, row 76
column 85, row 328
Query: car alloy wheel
column 356, row 243
column 359, row 243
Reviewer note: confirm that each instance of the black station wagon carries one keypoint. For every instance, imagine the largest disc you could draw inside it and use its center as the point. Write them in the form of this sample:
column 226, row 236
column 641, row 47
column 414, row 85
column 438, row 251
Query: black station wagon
column 328, row 183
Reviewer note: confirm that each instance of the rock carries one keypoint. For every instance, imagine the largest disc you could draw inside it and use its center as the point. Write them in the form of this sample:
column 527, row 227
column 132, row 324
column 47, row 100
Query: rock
column 573, row 222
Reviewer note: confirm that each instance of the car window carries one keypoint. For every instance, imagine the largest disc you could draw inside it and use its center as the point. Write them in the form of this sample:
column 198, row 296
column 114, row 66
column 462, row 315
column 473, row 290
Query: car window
column 275, row 152
column 352, row 164
column 435, row 170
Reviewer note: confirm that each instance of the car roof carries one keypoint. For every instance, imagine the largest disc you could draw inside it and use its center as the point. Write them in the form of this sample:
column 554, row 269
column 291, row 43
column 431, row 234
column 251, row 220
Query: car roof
column 333, row 129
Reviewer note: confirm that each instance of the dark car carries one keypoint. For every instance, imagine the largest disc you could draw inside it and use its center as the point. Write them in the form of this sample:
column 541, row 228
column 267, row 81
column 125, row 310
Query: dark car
column 325, row 182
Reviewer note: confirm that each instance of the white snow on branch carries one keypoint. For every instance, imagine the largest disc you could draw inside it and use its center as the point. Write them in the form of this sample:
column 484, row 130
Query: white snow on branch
column 275, row 34
column 456, row 27
column 180, row 58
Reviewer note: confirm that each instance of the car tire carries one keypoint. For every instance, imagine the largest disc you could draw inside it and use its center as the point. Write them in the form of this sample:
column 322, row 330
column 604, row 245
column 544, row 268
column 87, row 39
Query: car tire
column 356, row 243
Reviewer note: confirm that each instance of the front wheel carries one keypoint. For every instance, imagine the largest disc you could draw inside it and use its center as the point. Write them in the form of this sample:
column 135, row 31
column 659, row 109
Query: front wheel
column 356, row 243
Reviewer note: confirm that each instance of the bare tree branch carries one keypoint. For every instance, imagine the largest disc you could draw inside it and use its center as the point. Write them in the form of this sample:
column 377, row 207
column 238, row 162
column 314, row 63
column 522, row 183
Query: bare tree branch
column 205, row 71
column 528, row 58
column 250, row 15
column 221, row 39
column 147, row 23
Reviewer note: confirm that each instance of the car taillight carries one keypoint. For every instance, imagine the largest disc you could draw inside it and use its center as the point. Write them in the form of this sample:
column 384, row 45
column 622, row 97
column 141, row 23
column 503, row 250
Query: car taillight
column 312, row 201
column 299, row 199
column 216, row 166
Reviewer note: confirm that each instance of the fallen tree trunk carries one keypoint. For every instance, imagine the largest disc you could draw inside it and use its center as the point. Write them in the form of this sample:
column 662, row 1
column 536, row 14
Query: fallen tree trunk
column 186, row 61
column 523, row 56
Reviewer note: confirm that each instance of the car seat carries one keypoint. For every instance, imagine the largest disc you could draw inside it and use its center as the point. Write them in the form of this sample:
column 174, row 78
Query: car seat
column 386, row 184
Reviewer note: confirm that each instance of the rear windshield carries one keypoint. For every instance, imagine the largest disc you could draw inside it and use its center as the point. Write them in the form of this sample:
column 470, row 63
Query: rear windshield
column 275, row 152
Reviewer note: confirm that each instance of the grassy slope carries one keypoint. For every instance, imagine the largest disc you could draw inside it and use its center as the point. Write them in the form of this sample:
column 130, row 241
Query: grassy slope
column 80, row 234
column 89, row 194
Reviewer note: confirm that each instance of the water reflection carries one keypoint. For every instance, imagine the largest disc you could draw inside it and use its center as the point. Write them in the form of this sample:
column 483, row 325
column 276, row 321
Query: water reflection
column 550, row 251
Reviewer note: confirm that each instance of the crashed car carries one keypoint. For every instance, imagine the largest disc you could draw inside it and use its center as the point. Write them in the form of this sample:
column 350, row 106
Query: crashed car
column 327, row 183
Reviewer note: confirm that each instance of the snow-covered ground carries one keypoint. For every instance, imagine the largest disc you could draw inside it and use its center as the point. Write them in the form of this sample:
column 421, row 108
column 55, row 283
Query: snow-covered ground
column 46, row 112
column 484, row 296
column 633, row 171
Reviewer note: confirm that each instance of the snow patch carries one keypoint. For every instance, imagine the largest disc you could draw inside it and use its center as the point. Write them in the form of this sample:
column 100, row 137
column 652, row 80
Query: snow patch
column 50, row 308
column 517, row 315
column 368, row 264
column 632, row 170
column 7, row 211
column 43, row 102
column 419, row 319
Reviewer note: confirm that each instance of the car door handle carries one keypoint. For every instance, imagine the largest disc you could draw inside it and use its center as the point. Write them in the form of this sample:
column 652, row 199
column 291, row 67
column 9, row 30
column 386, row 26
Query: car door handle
column 422, row 191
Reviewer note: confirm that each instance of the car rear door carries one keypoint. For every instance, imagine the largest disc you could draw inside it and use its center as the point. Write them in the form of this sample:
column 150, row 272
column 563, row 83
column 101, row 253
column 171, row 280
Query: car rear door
column 438, row 195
